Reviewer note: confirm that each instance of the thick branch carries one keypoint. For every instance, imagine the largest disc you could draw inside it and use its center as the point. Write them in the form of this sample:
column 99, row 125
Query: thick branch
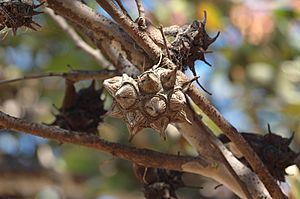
column 145, row 157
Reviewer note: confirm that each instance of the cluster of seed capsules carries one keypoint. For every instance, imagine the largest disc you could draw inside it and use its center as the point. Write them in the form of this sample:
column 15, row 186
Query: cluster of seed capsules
column 17, row 13
column 153, row 100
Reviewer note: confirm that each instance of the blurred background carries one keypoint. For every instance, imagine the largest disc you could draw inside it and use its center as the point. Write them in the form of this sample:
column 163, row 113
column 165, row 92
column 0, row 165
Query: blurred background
column 255, row 80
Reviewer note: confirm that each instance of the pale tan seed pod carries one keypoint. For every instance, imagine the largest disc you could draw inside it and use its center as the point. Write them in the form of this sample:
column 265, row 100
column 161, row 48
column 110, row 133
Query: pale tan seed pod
column 168, row 78
column 126, row 96
column 129, row 80
column 181, row 117
column 112, row 84
column 160, row 125
column 134, row 118
column 177, row 100
column 149, row 82
column 134, row 130
column 155, row 106
column 115, row 111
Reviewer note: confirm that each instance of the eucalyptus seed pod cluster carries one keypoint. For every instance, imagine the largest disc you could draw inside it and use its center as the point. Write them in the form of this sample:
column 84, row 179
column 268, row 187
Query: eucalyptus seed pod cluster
column 153, row 100
column 17, row 13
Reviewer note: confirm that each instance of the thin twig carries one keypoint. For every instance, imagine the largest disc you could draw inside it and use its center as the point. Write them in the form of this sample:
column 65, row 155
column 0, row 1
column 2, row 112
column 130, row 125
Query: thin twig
column 95, row 53
column 75, row 75
column 165, row 42
column 141, row 38
column 105, row 31
column 145, row 157
column 141, row 20
column 120, row 4
column 140, row 8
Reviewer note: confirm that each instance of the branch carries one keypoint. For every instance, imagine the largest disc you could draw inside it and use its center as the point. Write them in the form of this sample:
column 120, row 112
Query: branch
column 154, row 52
column 142, row 39
column 145, row 157
column 95, row 53
column 74, row 76
column 140, row 8
column 103, row 30
column 120, row 4
column 200, row 136
column 238, row 140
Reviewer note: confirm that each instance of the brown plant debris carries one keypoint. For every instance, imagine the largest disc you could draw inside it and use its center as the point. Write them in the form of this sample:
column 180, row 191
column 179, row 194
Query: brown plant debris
column 159, row 183
column 190, row 45
column 273, row 150
column 82, row 110
column 17, row 13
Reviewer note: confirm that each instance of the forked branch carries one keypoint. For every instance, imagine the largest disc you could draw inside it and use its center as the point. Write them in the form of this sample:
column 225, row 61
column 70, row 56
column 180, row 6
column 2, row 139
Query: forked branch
column 154, row 52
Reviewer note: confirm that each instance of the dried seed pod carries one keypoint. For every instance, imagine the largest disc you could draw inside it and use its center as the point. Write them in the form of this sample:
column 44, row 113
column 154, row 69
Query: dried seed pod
column 82, row 110
column 160, row 125
column 115, row 111
column 168, row 78
column 272, row 149
column 134, row 118
column 126, row 96
column 112, row 84
column 134, row 130
column 144, row 102
column 177, row 100
column 149, row 82
column 17, row 13
column 181, row 117
column 155, row 106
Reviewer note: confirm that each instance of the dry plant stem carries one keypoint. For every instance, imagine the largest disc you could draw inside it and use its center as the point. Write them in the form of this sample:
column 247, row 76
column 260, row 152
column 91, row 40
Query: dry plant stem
column 95, row 53
column 145, row 157
column 120, row 4
column 223, row 175
column 74, row 76
column 238, row 140
column 103, row 29
column 154, row 51
column 165, row 41
column 116, row 57
column 142, row 39
column 140, row 8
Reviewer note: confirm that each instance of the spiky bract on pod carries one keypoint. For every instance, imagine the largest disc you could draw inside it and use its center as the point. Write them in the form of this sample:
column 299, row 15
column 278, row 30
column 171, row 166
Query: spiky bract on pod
column 17, row 13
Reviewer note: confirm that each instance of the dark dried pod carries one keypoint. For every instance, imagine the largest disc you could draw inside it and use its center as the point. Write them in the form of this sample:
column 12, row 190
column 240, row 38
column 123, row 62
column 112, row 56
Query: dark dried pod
column 17, row 13
column 82, row 110
column 159, row 183
column 273, row 150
